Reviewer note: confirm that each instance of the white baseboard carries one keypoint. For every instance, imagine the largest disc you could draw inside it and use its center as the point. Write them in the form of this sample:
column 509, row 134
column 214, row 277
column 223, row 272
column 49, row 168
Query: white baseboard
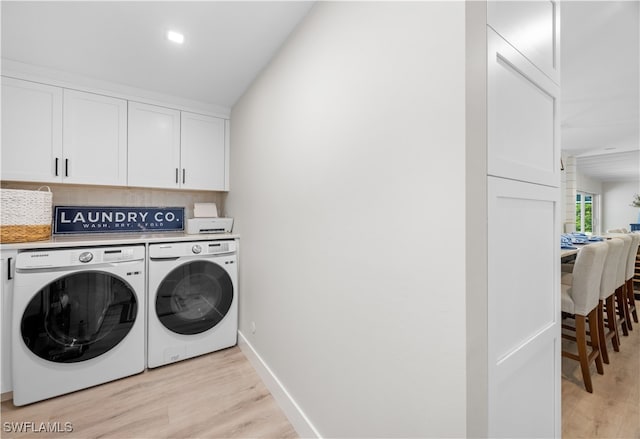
column 291, row 409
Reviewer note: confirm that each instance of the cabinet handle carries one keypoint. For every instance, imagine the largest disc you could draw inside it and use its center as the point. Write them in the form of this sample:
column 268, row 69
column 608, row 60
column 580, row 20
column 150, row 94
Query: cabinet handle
column 57, row 160
column 177, row 171
column 184, row 173
column 9, row 277
column 66, row 167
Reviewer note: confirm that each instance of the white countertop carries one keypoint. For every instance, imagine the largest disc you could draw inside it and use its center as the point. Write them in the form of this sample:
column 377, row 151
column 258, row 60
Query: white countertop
column 92, row 240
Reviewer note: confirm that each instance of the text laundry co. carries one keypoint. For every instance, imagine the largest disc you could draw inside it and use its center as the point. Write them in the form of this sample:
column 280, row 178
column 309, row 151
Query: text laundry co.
column 99, row 219
column 117, row 217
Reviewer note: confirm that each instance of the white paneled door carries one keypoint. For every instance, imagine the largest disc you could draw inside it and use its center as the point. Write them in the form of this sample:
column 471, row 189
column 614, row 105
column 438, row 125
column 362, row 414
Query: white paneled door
column 523, row 309
column 523, row 127
column 531, row 26
column 8, row 260
column 523, row 194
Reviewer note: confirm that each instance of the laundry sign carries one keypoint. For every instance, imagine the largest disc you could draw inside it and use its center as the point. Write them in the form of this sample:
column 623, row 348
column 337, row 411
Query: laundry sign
column 77, row 219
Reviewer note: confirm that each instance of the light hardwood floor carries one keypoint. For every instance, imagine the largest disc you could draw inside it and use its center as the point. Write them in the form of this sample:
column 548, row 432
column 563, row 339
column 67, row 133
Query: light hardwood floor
column 218, row 395
column 613, row 409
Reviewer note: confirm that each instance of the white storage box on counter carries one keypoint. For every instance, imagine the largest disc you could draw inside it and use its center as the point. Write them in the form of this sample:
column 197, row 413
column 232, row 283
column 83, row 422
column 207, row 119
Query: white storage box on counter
column 197, row 226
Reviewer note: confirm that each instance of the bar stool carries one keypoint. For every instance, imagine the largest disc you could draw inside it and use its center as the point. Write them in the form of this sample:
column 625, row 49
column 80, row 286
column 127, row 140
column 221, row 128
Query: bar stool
column 621, row 279
column 580, row 298
column 607, row 296
column 622, row 230
column 630, row 272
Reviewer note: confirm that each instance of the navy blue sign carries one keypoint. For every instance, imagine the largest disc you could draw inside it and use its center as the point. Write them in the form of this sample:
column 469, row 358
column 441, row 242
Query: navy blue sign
column 75, row 219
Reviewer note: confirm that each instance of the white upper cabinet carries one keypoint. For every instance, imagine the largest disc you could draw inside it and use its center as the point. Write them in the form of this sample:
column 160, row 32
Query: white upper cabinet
column 203, row 152
column 56, row 135
column 176, row 150
column 31, row 131
column 523, row 127
column 531, row 27
column 94, row 139
column 154, row 146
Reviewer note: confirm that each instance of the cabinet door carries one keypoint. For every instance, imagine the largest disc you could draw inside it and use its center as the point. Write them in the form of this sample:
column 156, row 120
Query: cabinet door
column 31, row 131
column 6, row 294
column 94, row 139
column 154, row 146
column 523, row 309
column 523, row 123
column 532, row 27
column 202, row 152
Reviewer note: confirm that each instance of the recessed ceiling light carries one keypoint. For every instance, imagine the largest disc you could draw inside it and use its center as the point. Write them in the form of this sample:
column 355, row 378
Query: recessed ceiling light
column 176, row 37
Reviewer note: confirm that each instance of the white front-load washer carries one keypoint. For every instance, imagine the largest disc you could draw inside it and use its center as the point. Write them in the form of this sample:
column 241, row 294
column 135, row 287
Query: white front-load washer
column 78, row 319
column 193, row 299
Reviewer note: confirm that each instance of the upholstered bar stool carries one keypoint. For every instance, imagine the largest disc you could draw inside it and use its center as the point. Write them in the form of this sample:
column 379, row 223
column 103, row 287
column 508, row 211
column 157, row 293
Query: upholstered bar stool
column 621, row 279
column 607, row 296
column 630, row 272
column 580, row 298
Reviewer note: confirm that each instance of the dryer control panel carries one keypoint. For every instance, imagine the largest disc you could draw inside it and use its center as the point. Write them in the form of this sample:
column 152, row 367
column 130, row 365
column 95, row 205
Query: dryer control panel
column 193, row 248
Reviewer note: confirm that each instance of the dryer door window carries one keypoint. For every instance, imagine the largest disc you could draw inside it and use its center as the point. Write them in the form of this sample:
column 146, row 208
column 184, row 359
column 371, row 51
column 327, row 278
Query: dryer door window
column 194, row 297
column 79, row 317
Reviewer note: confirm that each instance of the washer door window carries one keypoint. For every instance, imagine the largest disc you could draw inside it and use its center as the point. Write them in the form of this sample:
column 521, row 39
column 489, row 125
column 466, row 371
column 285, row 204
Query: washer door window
column 194, row 297
column 79, row 317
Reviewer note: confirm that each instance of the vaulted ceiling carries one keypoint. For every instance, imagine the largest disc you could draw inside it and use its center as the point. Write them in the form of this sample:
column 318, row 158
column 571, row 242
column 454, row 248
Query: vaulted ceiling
column 600, row 90
column 228, row 43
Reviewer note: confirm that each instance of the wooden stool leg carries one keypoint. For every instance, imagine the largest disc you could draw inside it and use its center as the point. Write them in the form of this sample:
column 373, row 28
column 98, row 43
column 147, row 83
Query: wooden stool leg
column 620, row 300
column 595, row 340
column 601, row 333
column 627, row 312
column 611, row 323
column 632, row 300
column 581, row 340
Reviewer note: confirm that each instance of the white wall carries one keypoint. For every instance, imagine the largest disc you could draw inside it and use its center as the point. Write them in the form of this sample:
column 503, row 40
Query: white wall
column 587, row 184
column 616, row 200
column 348, row 189
column 568, row 187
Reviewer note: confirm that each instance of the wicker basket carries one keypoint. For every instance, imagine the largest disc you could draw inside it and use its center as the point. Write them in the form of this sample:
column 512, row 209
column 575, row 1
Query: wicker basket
column 25, row 215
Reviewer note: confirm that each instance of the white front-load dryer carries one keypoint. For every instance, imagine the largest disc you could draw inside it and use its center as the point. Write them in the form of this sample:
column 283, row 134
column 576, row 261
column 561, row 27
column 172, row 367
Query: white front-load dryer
column 78, row 319
column 193, row 299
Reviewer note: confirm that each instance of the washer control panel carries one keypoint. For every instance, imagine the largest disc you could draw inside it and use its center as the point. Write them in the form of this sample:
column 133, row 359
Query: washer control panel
column 119, row 254
column 196, row 249
column 78, row 256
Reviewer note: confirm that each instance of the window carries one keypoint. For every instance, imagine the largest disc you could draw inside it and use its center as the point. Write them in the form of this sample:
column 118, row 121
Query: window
column 585, row 212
